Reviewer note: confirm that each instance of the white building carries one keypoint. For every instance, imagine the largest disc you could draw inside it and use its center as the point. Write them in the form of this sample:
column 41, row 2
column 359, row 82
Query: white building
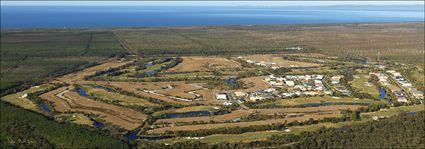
column 227, row 103
column 290, row 83
column 221, row 96
column 239, row 94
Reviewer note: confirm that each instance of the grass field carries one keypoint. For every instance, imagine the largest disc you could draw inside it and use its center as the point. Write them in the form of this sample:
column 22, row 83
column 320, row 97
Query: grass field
column 361, row 83
column 18, row 99
column 194, row 63
column 279, row 60
column 242, row 124
column 316, row 100
column 394, row 111
column 188, row 109
column 240, row 113
column 116, row 97
column 254, row 84
column 261, row 135
column 67, row 101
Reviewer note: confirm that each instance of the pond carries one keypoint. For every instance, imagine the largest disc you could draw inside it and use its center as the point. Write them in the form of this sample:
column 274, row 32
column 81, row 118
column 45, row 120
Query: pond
column 81, row 91
column 187, row 114
column 132, row 135
column 97, row 124
column 151, row 73
column 105, row 88
column 156, row 138
column 231, row 82
column 149, row 64
column 45, row 107
column 411, row 113
column 382, row 93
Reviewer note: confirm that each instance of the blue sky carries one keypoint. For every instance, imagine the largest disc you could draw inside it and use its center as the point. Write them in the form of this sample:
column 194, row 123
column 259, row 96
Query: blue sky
column 208, row 3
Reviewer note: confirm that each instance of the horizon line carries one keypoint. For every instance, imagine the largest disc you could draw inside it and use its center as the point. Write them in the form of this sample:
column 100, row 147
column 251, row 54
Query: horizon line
column 209, row 3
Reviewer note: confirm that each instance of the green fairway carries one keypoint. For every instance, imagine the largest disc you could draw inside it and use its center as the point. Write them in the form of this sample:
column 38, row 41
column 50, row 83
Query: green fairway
column 361, row 83
column 20, row 100
column 118, row 98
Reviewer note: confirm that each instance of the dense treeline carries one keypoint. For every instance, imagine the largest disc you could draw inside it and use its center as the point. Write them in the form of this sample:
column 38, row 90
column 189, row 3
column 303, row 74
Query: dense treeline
column 25, row 129
column 403, row 131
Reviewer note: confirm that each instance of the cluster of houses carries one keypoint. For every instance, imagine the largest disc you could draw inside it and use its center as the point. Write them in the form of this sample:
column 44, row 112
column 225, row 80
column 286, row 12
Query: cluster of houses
column 270, row 64
column 224, row 96
column 383, row 80
column 294, row 86
column 336, row 82
column 405, row 84
column 401, row 82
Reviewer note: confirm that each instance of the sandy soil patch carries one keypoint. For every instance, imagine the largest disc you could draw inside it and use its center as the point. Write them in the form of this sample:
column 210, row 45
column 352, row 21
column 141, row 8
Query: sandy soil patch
column 254, row 83
column 278, row 60
column 198, row 63
column 77, row 76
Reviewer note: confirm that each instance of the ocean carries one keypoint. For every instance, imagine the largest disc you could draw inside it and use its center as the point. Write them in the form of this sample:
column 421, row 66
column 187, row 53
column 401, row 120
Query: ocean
column 15, row 17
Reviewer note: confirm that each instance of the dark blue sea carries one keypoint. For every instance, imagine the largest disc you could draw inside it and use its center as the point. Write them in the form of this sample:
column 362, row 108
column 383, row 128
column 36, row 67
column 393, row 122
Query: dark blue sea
column 137, row 16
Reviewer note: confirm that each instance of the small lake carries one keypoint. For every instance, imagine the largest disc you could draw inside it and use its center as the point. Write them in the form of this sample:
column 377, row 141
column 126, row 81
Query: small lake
column 232, row 82
column 187, row 114
column 82, row 92
column 411, row 113
column 382, row 93
column 151, row 73
column 97, row 124
column 149, row 64
column 45, row 107
column 105, row 88
column 132, row 135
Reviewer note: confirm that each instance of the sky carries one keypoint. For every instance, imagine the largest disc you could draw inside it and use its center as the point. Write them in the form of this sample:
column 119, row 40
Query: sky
column 205, row 3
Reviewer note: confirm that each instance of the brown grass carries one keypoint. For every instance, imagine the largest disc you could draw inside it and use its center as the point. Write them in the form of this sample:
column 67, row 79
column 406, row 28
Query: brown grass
column 133, row 86
column 72, row 102
column 244, row 124
column 77, row 76
column 254, row 83
column 196, row 63
column 239, row 113
column 279, row 60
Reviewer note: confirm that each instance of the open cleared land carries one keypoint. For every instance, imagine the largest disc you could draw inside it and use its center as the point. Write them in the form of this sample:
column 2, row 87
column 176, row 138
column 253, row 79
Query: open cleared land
column 240, row 113
column 361, row 83
column 318, row 100
column 21, row 98
column 116, row 97
column 278, row 60
column 253, row 84
column 194, row 63
column 242, row 124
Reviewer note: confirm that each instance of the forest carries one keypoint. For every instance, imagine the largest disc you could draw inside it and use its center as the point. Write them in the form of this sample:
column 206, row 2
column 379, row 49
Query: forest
column 399, row 132
column 25, row 129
